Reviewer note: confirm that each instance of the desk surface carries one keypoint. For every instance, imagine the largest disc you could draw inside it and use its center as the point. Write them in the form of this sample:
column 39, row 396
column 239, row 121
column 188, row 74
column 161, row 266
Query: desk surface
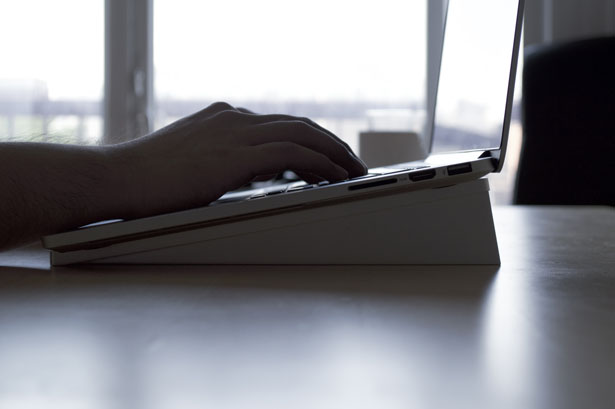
column 537, row 332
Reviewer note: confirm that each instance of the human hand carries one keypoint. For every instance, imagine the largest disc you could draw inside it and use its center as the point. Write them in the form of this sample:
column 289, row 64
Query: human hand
column 197, row 159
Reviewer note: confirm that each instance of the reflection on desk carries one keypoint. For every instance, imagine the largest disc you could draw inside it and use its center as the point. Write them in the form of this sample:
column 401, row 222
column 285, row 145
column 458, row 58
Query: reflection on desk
column 537, row 332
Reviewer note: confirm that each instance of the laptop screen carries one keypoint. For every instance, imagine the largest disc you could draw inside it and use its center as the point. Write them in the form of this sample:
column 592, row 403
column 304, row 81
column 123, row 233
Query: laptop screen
column 474, row 75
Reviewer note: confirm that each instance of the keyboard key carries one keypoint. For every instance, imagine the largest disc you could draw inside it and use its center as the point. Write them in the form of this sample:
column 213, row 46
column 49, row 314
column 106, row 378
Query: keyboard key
column 276, row 191
column 300, row 187
column 398, row 170
column 369, row 175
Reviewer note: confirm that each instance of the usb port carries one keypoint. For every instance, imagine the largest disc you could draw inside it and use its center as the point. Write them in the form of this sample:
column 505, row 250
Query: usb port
column 459, row 169
column 422, row 175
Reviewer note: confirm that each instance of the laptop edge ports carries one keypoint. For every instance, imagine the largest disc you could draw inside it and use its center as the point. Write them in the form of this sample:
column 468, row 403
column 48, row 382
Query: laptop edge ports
column 459, row 169
column 422, row 175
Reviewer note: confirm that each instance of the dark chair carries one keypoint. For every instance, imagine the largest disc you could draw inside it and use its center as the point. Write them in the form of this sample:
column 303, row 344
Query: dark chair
column 568, row 154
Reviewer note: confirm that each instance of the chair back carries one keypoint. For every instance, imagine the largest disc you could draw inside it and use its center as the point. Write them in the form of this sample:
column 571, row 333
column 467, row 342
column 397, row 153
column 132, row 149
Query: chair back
column 568, row 111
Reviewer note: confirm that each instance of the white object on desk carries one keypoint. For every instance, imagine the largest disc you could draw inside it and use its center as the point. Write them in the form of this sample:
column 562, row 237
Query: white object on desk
column 451, row 225
column 379, row 148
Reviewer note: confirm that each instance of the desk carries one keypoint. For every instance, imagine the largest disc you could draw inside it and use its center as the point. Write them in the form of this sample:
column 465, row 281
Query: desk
column 537, row 332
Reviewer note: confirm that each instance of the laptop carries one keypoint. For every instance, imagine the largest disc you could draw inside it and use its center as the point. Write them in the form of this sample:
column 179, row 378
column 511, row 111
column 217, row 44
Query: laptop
column 469, row 132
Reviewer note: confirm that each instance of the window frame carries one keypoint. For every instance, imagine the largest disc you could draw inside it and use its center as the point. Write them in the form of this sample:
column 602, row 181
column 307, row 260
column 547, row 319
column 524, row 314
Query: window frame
column 128, row 89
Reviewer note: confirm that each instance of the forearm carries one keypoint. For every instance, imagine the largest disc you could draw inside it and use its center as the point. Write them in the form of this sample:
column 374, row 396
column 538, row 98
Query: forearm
column 49, row 188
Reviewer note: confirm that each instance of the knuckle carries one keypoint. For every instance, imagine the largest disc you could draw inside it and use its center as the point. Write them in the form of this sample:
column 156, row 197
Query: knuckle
column 220, row 106
column 245, row 110
column 306, row 120
column 301, row 127
column 226, row 116
column 287, row 148
column 333, row 168
column 321, row 160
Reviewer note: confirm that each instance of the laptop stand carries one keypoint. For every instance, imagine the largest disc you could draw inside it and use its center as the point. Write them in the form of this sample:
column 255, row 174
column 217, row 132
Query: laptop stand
column 451, row 225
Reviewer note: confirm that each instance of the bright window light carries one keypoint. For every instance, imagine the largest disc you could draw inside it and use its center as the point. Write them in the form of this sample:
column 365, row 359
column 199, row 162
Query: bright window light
column 51, row 76
column 333, row 60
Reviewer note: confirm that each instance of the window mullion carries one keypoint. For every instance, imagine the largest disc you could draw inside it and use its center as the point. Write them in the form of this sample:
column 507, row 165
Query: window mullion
column 128, row 69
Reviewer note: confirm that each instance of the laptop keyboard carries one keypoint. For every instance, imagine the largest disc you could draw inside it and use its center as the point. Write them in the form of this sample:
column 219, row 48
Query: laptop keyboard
column 278, row 189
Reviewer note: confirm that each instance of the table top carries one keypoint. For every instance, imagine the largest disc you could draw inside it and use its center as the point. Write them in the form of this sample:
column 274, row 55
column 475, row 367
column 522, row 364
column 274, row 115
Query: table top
column 536, row 332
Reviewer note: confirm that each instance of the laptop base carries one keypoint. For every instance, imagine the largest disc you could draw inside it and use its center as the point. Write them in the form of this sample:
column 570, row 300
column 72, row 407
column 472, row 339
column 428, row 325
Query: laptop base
column 451, row 225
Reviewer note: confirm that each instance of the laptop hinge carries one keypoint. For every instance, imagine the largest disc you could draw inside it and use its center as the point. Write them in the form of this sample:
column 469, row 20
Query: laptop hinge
column 495, row 158
column 485, row 154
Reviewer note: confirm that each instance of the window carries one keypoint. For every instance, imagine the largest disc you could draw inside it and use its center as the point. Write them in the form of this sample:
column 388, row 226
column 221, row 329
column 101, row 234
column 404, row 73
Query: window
column 341, row 62
column 51, row 76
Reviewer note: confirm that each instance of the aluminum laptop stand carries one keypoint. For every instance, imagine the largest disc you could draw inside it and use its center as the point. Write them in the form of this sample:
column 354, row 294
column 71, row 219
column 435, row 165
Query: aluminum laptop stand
column 451, row 225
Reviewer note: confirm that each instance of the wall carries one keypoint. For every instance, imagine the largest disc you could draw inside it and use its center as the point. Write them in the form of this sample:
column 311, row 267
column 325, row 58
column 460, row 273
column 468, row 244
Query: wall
column 549, row 21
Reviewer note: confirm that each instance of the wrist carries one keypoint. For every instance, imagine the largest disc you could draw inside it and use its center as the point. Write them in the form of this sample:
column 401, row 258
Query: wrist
column 120, row 192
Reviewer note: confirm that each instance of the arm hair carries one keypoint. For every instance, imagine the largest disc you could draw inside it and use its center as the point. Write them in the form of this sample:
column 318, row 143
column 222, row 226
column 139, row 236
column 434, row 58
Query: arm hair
column 49, row 188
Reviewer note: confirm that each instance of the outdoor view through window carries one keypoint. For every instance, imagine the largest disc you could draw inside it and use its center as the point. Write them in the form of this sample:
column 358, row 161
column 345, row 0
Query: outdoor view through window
column 51, row 76
column 344, row 63
column 351, row 65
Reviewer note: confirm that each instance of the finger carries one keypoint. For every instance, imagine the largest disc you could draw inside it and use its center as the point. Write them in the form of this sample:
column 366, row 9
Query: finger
column 215, row 109
column 245, row 111
column 309, row 178
column 264, row 178
column 283, row 117
column 304, row 134
column 276, row 157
